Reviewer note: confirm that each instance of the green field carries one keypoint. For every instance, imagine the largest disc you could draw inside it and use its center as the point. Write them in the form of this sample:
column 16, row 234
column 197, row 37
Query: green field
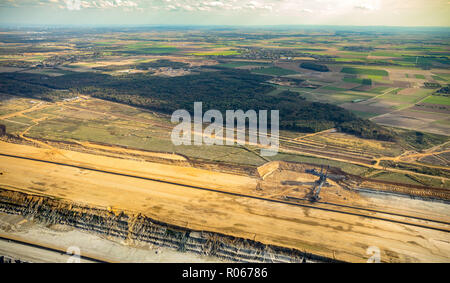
column 418, row 76
column 379, row 89
column 395, row 177
column 406, row 98
column 437, row 99
column 133, row 135
column 437, row 78
column 357, row 81
column 386, row 54
column 333, row 88
column 339, row 98
column 13, row 127
column 351, row 60
column 274, row 71
column 346, row 167
column 145, row 48
column 360, row 71
column 365, row 115
column 216, row 53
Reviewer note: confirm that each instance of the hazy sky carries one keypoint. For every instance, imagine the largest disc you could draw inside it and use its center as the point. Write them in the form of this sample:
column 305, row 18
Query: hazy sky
column 228, row 12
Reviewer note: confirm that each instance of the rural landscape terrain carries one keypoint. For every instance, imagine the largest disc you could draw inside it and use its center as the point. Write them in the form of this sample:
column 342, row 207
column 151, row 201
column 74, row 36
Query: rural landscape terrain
column 87, row 158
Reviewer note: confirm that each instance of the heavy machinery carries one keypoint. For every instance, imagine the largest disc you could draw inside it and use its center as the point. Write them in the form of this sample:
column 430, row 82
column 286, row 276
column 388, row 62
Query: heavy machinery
column 314, row 195
column 334, row 177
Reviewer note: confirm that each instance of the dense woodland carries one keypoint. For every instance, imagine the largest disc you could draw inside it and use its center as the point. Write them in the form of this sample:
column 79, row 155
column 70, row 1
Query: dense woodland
column 222, row 89
column 314, row 67
column 162, row 63
column 444, row 90
column 358, row 48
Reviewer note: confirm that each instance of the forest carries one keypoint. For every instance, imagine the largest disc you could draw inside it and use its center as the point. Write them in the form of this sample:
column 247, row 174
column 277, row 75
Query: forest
column 314, row 67
column 221, row 89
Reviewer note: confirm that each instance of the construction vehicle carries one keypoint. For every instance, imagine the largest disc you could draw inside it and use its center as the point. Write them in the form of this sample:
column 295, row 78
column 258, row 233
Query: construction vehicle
column 314, row 195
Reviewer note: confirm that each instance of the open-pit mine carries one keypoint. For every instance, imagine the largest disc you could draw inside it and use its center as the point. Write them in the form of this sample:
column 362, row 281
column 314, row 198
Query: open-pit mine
column 248, row 214
column 358, row 120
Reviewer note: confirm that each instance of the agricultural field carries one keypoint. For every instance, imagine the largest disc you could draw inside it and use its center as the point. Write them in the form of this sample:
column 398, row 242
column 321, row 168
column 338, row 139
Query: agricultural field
column 274, row 71
column 434, row 99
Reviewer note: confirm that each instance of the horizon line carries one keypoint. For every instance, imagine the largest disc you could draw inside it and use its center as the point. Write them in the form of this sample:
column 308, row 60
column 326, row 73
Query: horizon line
column 214, row 25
